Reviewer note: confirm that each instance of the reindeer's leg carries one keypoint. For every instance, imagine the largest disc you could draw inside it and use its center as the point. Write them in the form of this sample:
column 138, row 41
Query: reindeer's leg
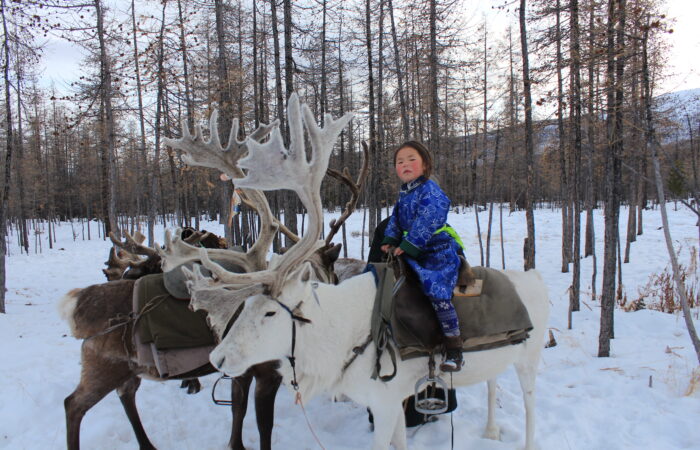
column 127, row 395
column 266, row 385
column 492, row 430
column 192, row 384
column 239, row 405
column 99, row 376
column 386, row 415
column 399, row 437
column 527, row 373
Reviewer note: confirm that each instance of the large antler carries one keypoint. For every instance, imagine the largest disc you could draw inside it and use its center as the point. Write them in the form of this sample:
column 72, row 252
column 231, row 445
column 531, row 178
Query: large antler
column 271, row 166
column 210, row 153
column 133, row 245
column 355, row 189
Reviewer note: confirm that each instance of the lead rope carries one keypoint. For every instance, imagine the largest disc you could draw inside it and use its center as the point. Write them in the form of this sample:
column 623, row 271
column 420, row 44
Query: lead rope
column 297, row 401
column 292, row 362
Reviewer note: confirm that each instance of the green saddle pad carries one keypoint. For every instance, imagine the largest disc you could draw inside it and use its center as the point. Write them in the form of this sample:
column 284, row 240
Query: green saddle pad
column 166, row 321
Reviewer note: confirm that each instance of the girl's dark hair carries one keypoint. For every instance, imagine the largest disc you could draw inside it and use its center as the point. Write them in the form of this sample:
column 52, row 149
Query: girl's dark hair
column 422, row 151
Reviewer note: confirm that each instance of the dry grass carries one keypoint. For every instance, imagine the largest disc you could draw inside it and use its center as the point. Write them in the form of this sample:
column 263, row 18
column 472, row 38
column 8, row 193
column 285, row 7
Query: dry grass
column 694, row 383
column 660, row 292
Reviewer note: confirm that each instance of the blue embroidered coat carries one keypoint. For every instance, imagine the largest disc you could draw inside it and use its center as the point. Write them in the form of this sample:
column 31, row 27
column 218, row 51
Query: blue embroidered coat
column 422, row 210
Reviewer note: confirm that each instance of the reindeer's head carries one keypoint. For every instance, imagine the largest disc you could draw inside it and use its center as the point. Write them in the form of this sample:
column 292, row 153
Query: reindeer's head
column 263, row 331
column 123, row 255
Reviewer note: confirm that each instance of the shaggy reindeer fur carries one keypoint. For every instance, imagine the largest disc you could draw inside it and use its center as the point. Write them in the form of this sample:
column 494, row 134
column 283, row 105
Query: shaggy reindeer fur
column 108, row 364
column 341, row 321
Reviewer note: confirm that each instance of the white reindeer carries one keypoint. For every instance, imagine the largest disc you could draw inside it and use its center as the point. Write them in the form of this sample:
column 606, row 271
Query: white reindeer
column 316, row 326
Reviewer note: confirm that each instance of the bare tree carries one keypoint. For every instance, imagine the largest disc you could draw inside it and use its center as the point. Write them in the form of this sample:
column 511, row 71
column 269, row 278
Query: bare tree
column 399, row 74
column 652, row 142
column 529, row 245
column 108, row 137
column 615, row 96
column 575, row 160
column 9, row 147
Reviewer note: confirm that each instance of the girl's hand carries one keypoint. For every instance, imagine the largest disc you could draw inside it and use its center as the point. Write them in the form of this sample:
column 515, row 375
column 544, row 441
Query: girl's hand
column 398, row 251
column 385, row 248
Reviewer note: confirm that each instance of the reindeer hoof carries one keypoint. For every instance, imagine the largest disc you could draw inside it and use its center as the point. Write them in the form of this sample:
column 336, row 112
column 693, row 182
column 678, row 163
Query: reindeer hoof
column 493, row 433
column 193, row 386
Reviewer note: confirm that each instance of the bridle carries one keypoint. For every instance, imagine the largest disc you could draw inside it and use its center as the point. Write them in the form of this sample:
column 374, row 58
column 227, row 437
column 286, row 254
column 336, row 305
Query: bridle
column 292, row 360
column 295, row 318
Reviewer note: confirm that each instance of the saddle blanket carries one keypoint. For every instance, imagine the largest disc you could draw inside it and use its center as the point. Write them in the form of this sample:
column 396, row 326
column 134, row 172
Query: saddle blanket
column 491, row 313
column 168, row 335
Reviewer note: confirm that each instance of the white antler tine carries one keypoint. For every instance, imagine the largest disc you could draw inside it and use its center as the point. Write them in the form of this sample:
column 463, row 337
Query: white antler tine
column 193, row 276
column 233, row 134
column 178, row 234
column 214, row 129
column 185, row 133
column 197, row 133
column 215, row 268
column 296, row 129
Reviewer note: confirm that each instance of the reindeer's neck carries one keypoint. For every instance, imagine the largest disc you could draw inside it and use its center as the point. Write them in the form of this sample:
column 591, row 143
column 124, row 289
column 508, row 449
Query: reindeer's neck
column 340, row 322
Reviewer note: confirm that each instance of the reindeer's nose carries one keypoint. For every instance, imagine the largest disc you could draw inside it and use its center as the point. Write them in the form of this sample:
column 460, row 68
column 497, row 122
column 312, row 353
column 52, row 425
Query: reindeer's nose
column 218, row 361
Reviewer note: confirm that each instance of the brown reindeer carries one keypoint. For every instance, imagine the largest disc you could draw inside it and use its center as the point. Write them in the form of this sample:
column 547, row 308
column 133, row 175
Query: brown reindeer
column 132, row 260
column 108, row 361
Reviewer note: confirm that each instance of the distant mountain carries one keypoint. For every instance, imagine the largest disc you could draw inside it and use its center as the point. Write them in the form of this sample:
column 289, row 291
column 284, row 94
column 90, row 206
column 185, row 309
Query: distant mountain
column 673, row 112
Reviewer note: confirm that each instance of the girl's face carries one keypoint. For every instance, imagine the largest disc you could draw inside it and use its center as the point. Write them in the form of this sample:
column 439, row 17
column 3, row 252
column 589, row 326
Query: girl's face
column 409, row 164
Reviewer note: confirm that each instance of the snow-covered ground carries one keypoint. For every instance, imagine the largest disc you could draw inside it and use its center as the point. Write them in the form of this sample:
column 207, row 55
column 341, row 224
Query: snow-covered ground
column 583, row 402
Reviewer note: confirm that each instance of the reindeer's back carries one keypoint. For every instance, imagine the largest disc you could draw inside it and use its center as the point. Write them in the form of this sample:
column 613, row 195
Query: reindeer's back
column 95, row 306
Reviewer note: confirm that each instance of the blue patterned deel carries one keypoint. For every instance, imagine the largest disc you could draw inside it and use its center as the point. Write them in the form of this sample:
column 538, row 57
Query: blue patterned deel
column 422, row 210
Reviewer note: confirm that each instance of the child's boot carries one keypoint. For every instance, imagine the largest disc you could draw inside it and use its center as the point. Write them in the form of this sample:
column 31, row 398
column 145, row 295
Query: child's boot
column 453, row 354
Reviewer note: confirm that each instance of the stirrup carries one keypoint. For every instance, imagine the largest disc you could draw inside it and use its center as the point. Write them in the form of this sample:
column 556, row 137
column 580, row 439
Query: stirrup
column 218, row 401
column 424, row 404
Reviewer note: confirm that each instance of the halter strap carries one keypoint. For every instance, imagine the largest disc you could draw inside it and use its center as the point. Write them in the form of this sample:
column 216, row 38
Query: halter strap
column 292, row 359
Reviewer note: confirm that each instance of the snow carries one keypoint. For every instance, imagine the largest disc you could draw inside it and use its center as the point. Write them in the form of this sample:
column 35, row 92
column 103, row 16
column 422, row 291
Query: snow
column 638, row 398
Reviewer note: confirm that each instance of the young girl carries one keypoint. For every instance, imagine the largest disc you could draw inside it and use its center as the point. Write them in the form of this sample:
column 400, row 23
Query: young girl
column 418, row 229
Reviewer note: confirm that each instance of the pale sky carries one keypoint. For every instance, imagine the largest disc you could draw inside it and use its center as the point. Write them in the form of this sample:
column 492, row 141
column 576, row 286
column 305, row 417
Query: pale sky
column 61, row 60
column 685, row 67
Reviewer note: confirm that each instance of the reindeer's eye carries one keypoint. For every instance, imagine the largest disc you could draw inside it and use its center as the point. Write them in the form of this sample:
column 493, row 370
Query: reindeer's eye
column 270, row 313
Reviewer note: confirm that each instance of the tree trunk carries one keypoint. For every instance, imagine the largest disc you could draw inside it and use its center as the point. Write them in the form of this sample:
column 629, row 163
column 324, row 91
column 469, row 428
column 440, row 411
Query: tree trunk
column 492, row 194
column 226, row 110
column 575, row 160
column 257, row 93
column 9, row 144
column 433, row 66
column 19, row 172
column 160, row 93
column 373, row 197
column 324, row 78
column 292, row 207
column 529, row 245
column 399, row 76
column 150, row 205
column 108, row 136
column 566, row 235
column 382, row 191
column 614, row 88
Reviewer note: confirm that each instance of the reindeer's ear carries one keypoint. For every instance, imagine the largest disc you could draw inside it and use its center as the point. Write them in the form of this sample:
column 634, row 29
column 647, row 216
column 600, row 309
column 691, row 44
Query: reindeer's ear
column 303, row 273
column 306, row 272
column 331, row 254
